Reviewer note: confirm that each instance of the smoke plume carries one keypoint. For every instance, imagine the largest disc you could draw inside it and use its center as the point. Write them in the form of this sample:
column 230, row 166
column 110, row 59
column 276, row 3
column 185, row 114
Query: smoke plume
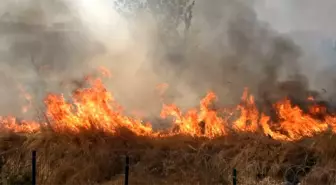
column 220, row 45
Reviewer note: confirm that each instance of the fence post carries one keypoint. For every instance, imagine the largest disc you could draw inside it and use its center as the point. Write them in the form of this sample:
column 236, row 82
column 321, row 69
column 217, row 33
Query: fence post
column 234, row 178
column 126, row 169
column 34, row 167
column 3, row 175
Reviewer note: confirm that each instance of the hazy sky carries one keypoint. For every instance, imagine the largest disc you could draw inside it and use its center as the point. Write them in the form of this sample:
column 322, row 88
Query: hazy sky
column 284, row 15
column 104, row 28
column 288, row 15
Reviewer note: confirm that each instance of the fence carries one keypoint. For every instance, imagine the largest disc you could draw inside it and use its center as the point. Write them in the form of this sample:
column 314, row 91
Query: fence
column 127, row 164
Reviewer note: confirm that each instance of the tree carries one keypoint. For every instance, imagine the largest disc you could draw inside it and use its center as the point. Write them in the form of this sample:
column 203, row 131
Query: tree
column 169, row 14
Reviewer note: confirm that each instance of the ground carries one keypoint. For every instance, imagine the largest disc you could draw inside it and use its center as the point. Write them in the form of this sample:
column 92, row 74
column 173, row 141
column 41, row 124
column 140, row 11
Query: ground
column 95, row 157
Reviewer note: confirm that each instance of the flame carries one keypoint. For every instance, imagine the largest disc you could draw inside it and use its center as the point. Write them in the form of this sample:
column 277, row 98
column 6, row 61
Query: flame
column 249, row 118
column 27, row 97
column 95, row 108
column 11, row 123
column 294, row 123
column 311, row 98
column 105, row 72
column 202, row 122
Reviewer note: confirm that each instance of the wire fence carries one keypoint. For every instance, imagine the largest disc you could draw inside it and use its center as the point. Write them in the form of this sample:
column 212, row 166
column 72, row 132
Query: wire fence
column 126, row 172
column 291, row 175
column 127, row 165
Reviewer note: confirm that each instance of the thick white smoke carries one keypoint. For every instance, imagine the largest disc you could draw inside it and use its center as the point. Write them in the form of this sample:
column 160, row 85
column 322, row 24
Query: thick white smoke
column 102, row 21
column 226, row 49
column 128, row 44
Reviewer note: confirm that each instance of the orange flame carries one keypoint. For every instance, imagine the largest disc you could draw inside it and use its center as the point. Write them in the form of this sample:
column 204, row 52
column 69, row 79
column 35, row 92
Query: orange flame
column 204, row 122
column 249, row 118
column 96, row 108
column 27, row 97
column 294, row 123
column 93, row 108
column 10, row 123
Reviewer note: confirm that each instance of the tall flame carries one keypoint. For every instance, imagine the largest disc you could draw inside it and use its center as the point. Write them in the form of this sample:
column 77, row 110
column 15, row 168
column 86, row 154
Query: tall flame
column 202, row 122
column 95, row 108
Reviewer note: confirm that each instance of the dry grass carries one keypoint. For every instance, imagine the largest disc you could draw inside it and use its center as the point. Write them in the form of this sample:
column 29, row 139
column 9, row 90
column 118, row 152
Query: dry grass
column 94, row 157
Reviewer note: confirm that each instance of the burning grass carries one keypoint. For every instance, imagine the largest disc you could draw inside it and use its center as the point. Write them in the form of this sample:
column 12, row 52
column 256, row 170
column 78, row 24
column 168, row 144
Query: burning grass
column 84, row 141
column 97, row 157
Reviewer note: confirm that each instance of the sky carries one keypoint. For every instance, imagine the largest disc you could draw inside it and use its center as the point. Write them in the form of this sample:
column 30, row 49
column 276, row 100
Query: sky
column 311, row 25
column 309, row 22
column 291, row 15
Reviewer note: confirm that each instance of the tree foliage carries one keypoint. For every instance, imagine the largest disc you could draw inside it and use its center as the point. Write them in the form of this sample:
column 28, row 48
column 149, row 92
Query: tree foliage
column 169, row 14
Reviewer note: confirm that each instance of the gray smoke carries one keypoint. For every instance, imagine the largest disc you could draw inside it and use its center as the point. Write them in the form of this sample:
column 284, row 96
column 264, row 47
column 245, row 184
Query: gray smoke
column 235, row 50
column 224, row 48
column 310, row 25
column 42, row 44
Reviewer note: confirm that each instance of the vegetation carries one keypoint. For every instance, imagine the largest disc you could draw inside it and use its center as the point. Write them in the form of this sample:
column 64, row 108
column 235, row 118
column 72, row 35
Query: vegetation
column 94, row 157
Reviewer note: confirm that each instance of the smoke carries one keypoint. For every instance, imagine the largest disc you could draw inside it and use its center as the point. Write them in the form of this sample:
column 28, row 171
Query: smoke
column 41, row 45
column 225, row 49
column 300, row 15
column 237, row 51
column 309, row 23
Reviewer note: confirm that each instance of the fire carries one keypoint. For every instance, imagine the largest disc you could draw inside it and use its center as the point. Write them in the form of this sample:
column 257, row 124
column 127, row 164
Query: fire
column 249, row 118
column 294, row 123
column 11, row 123
column 202, row 122
column 27, row 97
column 95, row 108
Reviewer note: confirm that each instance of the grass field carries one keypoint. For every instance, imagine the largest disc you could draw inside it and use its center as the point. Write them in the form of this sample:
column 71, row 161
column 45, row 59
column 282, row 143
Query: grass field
column 95, row 157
